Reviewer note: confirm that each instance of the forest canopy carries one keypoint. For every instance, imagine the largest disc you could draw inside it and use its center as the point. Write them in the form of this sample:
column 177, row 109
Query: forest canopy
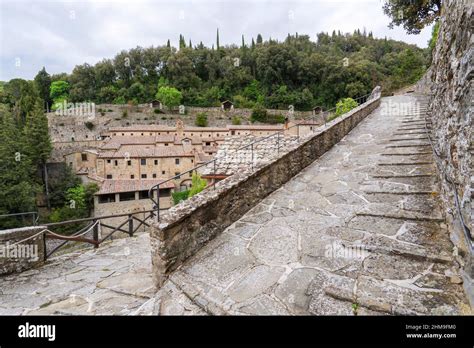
column 270, row 73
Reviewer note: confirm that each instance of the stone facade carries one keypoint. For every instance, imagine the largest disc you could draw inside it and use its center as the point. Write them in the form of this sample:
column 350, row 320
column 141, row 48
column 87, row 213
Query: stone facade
column 21, row 249
column 185, row 228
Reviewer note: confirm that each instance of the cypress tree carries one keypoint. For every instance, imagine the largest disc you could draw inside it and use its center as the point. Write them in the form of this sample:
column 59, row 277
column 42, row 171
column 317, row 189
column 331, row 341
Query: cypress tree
column 38, row 142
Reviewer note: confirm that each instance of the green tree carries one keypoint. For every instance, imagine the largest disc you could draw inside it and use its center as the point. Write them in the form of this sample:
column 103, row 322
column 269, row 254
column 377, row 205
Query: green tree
column 169, row 96
column 345, row 105
column 413, row 15
column 17, row 185
column 43, row 84
column 59, row 92
column 38, row 145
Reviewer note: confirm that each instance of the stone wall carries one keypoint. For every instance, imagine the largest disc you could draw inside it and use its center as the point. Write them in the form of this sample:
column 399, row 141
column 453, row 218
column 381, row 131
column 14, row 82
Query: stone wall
column 185, row 228
column 449, row 83
column 28, row 253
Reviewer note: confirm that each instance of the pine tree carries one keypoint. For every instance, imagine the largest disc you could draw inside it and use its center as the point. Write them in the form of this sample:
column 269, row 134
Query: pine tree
column 168, row 44
column 243, row 41
column 259, row 39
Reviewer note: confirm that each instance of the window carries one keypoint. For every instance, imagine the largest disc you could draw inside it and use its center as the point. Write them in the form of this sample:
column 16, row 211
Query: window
column 129, row 162
column 142, row 133
column 165, row 192
column 208, row 143
column 143, row 161
column 143, row 195
column 176, row 161
column 70, row 164
column 132, row 176
column 143, row 176
column 176, row 174
column 115, row 133
column 108, row 161
column 156, row 162
column 127, row 196
column 131, row 134
column 190, row 174
column 232, row 133
column 154, row 176
column 116, row 163
column 123, row 134
column 166, row 144
column 109, row 176
column 163, row 172
column 192, row 160
column 108, row 198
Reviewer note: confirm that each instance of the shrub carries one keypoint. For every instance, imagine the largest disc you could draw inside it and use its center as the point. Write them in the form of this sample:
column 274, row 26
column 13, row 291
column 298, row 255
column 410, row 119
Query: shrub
column 259, row 114
column 179, row 196
column 236, row 121
column 277, row 119
column 198, row 184
column 124, row 113
column 345, row 105
column 89, row 125
column 158, row 111
column 119, row 100
column 201, row 119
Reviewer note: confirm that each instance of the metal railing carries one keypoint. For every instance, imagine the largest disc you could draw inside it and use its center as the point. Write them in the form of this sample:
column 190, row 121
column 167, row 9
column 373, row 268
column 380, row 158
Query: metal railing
column 90, row 233
column 156, row 203
column 34, row 216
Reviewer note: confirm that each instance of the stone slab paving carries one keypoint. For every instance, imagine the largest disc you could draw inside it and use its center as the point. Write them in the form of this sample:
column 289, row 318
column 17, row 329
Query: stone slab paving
column 360, row 231
column 114, row 279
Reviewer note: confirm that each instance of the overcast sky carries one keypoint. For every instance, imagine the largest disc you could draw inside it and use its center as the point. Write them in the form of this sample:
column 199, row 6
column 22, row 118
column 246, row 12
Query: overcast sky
column 61, row 34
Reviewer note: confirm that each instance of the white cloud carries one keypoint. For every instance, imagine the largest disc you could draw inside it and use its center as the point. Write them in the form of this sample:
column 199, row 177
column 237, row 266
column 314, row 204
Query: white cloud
column 61, row 34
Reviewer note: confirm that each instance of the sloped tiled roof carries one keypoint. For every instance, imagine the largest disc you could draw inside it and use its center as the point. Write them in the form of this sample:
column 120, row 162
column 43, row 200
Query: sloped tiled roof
column 142, row 151
column 128, row 185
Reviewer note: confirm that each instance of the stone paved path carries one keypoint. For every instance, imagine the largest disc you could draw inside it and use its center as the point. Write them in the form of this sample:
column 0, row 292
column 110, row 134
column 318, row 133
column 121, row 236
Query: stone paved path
column 360, row 231
column 113, row 279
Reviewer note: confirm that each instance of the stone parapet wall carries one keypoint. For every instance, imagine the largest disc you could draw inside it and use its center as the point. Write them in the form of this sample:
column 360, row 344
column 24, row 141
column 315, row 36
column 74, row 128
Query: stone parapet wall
column 185, row 228
column 21, row 249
